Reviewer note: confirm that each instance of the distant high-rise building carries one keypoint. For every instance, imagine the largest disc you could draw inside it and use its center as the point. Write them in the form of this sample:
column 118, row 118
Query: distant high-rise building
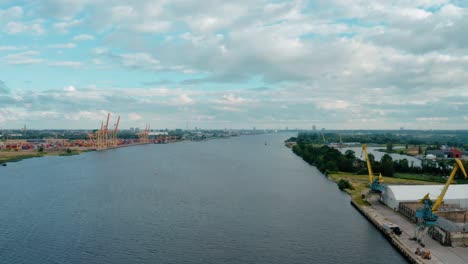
column 314, row 128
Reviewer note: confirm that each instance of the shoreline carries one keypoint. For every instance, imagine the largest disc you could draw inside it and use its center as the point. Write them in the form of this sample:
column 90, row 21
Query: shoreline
column 394, row 240
column 377, row 220
column 11, row 157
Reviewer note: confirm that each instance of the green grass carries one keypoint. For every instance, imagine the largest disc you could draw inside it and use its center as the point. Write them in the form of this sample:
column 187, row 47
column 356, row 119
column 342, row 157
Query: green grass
column 419, row 177
column 360, row 184
column 18, row 158
column 427, row 178
column 69, row 154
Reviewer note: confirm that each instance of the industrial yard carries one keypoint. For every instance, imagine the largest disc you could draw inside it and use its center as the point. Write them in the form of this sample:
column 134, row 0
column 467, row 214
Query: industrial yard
column 439, row 253
column 430, row 219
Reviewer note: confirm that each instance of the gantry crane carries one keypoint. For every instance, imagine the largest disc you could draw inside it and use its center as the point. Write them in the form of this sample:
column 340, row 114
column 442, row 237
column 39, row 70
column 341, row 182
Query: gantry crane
column 375, row 183
column 100, row 137
column 426, row 216
column 114, row 133
column 144, row 136
column 106, row 131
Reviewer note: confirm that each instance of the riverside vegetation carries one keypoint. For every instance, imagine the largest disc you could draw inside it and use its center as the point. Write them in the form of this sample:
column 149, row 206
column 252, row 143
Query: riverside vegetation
column 351, row 173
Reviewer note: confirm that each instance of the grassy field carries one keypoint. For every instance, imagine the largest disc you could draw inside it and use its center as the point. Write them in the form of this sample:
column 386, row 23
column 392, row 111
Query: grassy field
column 360, row 184
column 430, row 178
column 14, row 156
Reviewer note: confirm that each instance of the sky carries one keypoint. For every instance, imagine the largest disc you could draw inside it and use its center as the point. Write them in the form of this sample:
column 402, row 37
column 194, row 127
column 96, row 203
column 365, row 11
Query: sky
column 335, row 64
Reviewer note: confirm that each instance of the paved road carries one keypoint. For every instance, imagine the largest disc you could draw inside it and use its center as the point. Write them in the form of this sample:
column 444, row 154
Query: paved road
column 439, row 253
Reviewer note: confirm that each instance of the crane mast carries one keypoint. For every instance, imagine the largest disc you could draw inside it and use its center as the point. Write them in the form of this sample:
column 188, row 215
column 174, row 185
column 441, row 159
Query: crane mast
column 114, row 133
column 369, row 167
column 375, row 184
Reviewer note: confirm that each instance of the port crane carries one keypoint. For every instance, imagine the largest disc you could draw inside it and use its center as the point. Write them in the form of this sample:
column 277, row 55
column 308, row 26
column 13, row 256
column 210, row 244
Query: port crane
column 323, row 137
column 426, row 216
column 375, row 183
column 114, row 133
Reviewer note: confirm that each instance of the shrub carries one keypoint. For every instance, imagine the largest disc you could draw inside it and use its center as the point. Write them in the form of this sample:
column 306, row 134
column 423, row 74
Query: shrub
column 345, row 184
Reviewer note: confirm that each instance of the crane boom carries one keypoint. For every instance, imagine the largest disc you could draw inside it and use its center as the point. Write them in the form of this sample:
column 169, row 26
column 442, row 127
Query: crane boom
column 375, row 185
column 369, row 167
column 116, row 126
column 106, row 128
column 458, row 166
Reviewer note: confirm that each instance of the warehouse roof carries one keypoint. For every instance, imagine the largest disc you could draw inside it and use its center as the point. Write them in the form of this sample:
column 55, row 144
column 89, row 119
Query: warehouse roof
column 416, row 192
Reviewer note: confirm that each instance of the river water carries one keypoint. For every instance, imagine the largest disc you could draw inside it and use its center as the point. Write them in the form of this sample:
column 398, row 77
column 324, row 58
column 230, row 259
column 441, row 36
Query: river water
column 235, row 200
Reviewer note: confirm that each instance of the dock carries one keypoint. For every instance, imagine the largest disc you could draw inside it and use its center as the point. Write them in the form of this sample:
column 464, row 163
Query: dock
column 378, row 214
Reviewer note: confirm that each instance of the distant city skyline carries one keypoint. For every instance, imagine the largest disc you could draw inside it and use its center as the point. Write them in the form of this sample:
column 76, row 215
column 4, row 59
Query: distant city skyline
column 335, row 64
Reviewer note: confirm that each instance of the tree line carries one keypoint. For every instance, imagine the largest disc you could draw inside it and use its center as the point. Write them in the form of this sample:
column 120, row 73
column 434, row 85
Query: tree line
column 432, row 138
column 328, row 159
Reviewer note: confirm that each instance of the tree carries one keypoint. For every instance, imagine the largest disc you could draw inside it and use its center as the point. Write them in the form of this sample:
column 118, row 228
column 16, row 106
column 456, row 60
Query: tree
column 419, row 150
column 386, row 166
column 344, row 184
column 350, row 154
column 41, row 149
column 403, row 165
column 69, row 150
column 389, row 147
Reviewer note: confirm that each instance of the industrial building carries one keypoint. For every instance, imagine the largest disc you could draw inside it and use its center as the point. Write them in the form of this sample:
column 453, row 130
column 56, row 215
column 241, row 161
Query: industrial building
column 393, row 195
column 452, row 226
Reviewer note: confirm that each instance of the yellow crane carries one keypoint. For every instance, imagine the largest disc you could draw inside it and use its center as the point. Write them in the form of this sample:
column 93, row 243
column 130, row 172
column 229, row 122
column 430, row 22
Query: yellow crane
column 427, row 215
column 375, row 184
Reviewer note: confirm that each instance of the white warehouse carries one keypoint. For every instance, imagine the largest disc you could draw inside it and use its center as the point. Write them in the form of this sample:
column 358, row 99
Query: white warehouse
column 393, row 195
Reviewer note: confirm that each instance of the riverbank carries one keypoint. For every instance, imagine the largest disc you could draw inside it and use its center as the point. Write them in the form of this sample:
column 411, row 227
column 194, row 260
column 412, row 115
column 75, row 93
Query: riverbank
column 380, row 222
column 360, row 184
column 15, row 156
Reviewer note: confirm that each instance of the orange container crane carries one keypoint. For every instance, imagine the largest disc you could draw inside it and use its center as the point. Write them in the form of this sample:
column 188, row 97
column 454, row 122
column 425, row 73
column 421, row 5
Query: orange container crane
column 114, row 133
column 106, row 131
column 100, row 136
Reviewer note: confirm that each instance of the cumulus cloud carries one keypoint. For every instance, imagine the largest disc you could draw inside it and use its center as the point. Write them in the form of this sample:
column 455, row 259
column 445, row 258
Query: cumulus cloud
column 19, row 27
column 83, row 37
column 15, row 12
column 8, row 48
column 26, row 57
column 373, row 64
column 134, row 117
column 68, row 64
column 66, row 25
column 62, row 46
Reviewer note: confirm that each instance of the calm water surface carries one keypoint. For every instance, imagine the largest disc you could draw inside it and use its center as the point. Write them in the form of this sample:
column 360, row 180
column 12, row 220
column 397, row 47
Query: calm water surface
column 221, row 201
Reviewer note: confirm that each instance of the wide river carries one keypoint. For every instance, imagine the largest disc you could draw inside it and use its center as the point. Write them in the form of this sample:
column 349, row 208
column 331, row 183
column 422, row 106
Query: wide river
column 235, row 200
